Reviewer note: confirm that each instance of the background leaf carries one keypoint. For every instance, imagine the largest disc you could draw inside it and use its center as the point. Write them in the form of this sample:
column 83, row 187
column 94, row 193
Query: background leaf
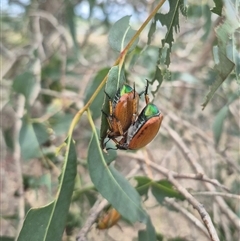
column 48, row 223
column 120, row 34
column 112, row 185
column 218, row 124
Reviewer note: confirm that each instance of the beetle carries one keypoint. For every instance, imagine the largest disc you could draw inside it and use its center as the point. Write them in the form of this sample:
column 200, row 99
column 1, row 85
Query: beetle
column 108, row 219
column 122, row 111
column 143, row 130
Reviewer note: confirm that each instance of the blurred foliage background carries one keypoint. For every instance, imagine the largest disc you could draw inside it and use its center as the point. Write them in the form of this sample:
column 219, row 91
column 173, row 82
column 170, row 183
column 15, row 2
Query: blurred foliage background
column 54, row 53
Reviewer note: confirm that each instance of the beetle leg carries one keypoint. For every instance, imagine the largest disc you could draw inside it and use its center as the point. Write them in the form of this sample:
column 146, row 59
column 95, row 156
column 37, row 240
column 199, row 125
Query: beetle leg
column 108, row 119
column 146, row 93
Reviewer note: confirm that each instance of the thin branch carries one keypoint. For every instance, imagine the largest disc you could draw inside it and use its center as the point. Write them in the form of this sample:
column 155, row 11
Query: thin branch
column 228, row 195
column 188, row 215
column 17, row 160
column 198, row 169
column 198, row 206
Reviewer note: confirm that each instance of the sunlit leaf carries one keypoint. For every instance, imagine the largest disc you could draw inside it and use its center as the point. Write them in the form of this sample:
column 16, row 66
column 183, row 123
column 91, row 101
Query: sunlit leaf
column 48, row 223
column 120, row 34
column 112, row 185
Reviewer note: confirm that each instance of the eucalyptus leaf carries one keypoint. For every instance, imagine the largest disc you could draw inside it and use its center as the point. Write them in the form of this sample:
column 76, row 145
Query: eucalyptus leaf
column 218, row 124
column 149, row 234
column 112, row 185
column 120, row 35
column 48, row 222
column 225, row 66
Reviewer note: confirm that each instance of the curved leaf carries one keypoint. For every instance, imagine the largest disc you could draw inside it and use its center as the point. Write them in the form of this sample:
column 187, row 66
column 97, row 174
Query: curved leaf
column 112, row 185
column 149, row 234
column 47, row 223
column 120, row 34
column 116, row 79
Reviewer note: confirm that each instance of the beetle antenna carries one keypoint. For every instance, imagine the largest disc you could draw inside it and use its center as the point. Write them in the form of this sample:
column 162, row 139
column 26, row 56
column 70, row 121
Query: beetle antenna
column 134, row 90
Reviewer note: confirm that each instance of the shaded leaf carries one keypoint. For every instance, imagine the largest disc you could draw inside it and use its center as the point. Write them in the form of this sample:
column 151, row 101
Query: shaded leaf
column 224, row 65
column 120, row 34
column 218, row 124
column 91, row 88
column 149, row 234
column 143, row 185
column 218, row 7
column 30, row 147
column 60, row 122
column 164, row 188
column 47, row 223
column 171, row 21
column 112, row 185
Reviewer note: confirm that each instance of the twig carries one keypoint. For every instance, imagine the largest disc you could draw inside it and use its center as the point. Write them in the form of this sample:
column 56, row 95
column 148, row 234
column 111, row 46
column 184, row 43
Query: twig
column 17, row 160
column 228, row 195
column 198, row 206
column 188, row 215
column 93, row 214
column 164, row 171
column 198, row 169
column 204, row 215
column 96, row 210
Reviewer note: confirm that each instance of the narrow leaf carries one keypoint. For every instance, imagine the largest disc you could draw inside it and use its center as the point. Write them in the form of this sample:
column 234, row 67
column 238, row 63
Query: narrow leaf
column 47, row 223
column 120, row 34
column 112, row 185
column 149, row 234
column 218, row 124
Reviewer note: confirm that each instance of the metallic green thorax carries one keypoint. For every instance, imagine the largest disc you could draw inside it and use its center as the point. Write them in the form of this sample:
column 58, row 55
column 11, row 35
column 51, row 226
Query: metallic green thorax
column 126, row 89
column 147, row 113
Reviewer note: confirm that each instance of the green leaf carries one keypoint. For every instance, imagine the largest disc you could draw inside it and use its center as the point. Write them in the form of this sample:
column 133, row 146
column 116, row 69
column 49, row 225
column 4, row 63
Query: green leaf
column 112, row 185
column 120, row 34
column 60, row 122
column 47, row 223
column 164, row 188
column 40, row 132
column 149, row 234
column 171, row 21
column 218, row 7
column 30, row 147
column 224, row 65
column 25, row 84
column 116, row 79
column 4, row 238
column 218, row 124
column 70, row 20
column 151, row 31
column 143, row 185
column 91, row 88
